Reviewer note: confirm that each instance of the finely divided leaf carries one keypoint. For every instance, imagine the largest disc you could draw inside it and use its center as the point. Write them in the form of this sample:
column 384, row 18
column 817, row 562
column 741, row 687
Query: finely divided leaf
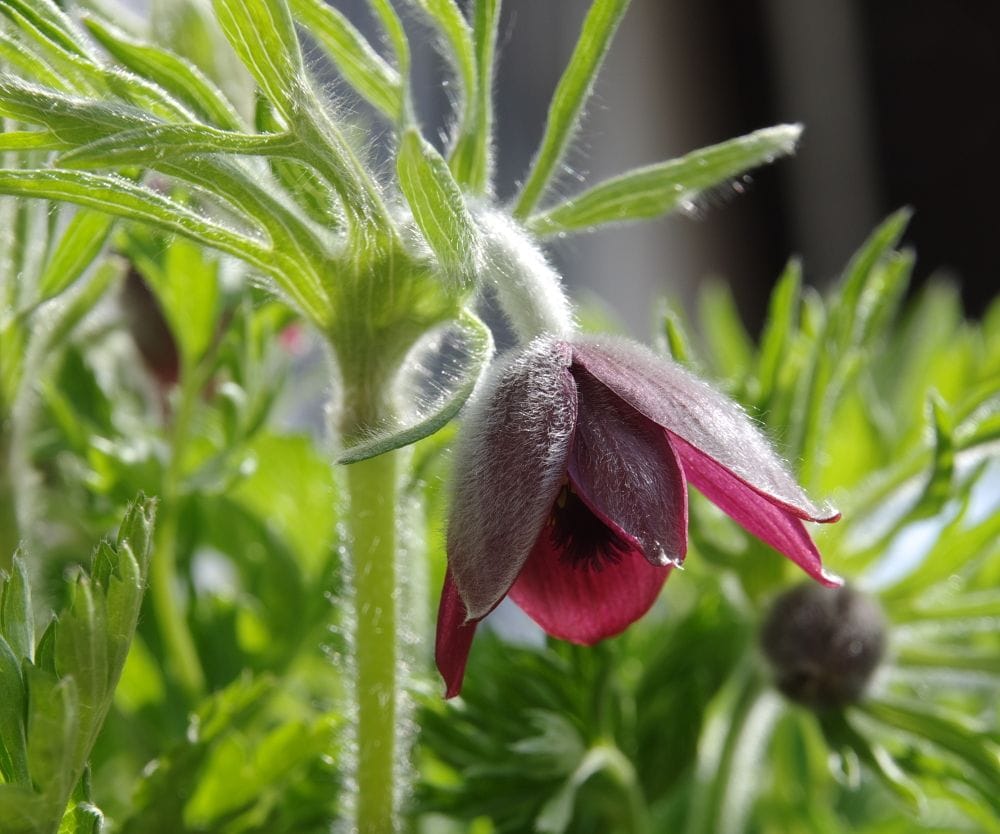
column 659, row 189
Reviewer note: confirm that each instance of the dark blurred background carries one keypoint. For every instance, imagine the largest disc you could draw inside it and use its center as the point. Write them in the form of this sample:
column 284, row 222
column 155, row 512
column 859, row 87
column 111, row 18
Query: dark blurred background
column 899, row 102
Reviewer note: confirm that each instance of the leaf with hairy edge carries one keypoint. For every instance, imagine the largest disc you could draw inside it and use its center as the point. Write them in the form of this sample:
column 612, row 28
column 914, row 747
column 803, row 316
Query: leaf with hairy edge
column 14, row 53
column 658, row 189
column 263, row 35
column 438, row 206
column 123, row 198
column 78, row 246
column 470, row 160
column 176, row 75
column 396, row 34
column 452, row 26
column 569, row 98
column 362, row 67
column 147, row 146
column 442, row 408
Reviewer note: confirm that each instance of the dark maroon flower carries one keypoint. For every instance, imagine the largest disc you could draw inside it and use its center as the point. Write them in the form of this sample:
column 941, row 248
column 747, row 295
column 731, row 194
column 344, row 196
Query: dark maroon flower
column 570, row 490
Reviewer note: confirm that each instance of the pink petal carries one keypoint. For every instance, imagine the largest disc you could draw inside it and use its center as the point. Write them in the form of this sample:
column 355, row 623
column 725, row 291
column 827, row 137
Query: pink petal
column 689, row 408
column 454, row 638
column 765, row 518
column 624, row 468
column 510, row 463
column 583, row 605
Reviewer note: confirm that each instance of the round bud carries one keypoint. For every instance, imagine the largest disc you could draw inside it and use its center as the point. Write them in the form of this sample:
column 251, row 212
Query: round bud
column 824, row 644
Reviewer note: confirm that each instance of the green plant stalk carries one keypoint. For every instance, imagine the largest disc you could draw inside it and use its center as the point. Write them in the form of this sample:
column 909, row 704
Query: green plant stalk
column 373, row 490
column 167, row 608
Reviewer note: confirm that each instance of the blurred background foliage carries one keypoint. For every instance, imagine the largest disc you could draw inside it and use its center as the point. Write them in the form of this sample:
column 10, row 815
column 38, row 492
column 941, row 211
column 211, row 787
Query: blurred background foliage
column 133, row 362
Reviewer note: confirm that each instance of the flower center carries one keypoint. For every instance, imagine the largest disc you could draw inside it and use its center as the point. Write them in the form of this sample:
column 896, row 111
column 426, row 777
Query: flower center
column 582, row 539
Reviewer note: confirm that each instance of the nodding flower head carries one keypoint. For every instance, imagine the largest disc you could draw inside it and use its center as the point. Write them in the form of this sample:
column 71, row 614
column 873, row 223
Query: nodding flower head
column 570, row 490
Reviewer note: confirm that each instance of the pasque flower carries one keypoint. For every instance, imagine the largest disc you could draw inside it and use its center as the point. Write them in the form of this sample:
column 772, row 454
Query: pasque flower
column 570, row 490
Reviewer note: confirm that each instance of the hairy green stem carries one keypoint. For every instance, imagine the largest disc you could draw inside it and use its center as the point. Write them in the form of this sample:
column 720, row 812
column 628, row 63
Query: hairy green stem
column 373, row 486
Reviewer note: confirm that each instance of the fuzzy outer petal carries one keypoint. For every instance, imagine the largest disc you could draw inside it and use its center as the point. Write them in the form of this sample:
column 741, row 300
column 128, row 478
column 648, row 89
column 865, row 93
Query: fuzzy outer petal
column 769, row 521
column 583, row 605
column 691, row 409
column 624, row 469
column 454, row 638
column 510, row 462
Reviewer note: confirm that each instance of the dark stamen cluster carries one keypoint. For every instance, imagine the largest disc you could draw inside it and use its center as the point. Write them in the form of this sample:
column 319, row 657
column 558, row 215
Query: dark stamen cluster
column 584, row 540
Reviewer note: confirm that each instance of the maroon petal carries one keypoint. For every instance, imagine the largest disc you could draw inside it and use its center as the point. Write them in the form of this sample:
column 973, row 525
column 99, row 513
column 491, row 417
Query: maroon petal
column 768, row 520
column 689, row 408
column 509, row 466
column 577, row 603
column 625, row 470
column 454, row 637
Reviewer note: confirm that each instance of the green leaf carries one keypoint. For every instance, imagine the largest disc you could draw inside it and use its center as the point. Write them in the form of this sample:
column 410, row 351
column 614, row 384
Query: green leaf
column 124, row 198
column 82, row 818
column 569, row 98
column 361, row 66
column 471, row 157
column 779, row 327
column 968, row 741
column 187, row 289
column 434, row 415
column 48, row 20
column 17, row 622
column 23, row 811
column 737, row 728
column 78, row 246
column 396, row 34
column 263, row 35
column 136, row 530
column 856, row 298
column 52, row 728
column 81, row 653
column 150, row 145
column 658, row 189
column 438, row 207
column 14, row 53
column 72, row 120
column 842, row 736
column 13, row 739
column 30, row 140
column 176, row 75
column 728, row 341
column 461, row 53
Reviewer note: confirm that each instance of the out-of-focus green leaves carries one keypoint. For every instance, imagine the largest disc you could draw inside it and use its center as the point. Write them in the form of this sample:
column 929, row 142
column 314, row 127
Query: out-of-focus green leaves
column 659, row 189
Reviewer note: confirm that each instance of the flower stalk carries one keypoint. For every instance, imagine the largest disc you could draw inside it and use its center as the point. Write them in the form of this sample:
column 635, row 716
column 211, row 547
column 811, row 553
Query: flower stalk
column 372, row 513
